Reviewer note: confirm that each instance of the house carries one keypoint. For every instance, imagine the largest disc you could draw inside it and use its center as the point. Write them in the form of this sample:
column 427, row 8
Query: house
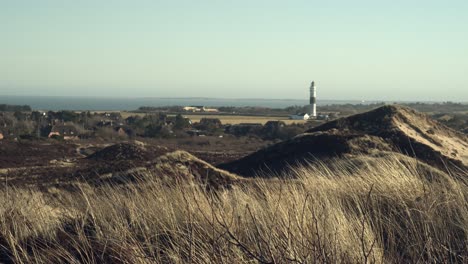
column 210, row 110
column 301, row 116
column 193, row 108
column 65, row 131
column 198, row 108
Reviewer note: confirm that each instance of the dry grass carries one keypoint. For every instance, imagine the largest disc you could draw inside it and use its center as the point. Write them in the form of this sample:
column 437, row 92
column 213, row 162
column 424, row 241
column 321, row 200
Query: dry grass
column 225, row 119
column 239, row 119
column 381, row 213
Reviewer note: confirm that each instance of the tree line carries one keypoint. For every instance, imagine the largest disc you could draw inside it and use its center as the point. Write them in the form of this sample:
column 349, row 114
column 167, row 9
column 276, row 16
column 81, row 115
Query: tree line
column 14, row 108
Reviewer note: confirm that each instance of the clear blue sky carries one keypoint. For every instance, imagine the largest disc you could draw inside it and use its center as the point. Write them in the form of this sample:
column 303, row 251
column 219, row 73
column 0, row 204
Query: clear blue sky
column 385, row 50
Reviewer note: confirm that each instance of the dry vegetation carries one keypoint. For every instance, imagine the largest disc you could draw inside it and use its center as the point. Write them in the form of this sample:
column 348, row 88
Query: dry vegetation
column 385, row 212
column 239, row 119
column 225, row 119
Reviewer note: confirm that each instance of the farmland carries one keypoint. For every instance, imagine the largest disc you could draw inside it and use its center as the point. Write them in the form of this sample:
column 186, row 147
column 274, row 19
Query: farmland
column 225, row 119
column 239, row 119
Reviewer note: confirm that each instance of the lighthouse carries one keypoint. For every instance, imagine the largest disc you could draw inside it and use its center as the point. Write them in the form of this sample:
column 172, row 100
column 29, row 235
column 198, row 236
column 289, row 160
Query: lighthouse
column 313, row 101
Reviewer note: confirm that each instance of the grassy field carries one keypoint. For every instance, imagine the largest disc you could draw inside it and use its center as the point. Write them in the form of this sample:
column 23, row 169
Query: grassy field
column 234, row 119
column 384, row 212
column 230, row 119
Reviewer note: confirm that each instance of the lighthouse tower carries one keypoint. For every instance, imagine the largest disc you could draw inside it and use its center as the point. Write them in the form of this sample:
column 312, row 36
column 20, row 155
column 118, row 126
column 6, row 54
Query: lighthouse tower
column 313, row 100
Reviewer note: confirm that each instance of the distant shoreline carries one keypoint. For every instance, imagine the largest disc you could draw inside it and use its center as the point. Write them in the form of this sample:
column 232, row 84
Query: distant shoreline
column 129, row 104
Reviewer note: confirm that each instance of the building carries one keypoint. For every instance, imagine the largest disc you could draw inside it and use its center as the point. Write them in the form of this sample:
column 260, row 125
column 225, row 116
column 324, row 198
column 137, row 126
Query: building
column 65, row 131
column 210, row 110
column 313, row 101
column 301, row 116
column 193, row 108
column 200, row 109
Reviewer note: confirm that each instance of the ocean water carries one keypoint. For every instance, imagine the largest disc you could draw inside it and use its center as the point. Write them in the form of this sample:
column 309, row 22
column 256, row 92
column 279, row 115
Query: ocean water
column 55, row 103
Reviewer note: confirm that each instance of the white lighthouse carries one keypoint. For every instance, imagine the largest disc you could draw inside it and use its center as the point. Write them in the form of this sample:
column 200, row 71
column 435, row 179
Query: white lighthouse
column 313, row 101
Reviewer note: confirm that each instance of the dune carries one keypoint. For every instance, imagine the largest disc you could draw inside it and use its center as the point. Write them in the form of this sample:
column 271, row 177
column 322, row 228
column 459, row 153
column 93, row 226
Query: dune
column 389, row 128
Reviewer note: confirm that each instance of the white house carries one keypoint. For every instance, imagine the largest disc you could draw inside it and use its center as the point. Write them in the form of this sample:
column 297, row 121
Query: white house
column 210, row 110
column 302, row 116
column 200, row 109
column 192, row 109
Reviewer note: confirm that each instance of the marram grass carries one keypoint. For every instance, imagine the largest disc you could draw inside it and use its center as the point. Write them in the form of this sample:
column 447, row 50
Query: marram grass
column 385, row 212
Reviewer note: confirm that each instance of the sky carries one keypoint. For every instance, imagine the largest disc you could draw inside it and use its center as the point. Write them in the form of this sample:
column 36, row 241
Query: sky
column 354, row 50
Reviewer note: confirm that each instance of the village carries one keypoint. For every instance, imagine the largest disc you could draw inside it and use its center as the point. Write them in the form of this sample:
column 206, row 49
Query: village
column 191, row 121
column 24, row 123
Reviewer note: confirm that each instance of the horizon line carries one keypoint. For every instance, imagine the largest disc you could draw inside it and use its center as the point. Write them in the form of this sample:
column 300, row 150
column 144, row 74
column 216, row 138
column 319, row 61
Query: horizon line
column 231, row 98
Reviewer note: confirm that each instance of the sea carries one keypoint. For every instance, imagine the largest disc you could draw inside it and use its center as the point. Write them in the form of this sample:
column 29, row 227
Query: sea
column 55, row 103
